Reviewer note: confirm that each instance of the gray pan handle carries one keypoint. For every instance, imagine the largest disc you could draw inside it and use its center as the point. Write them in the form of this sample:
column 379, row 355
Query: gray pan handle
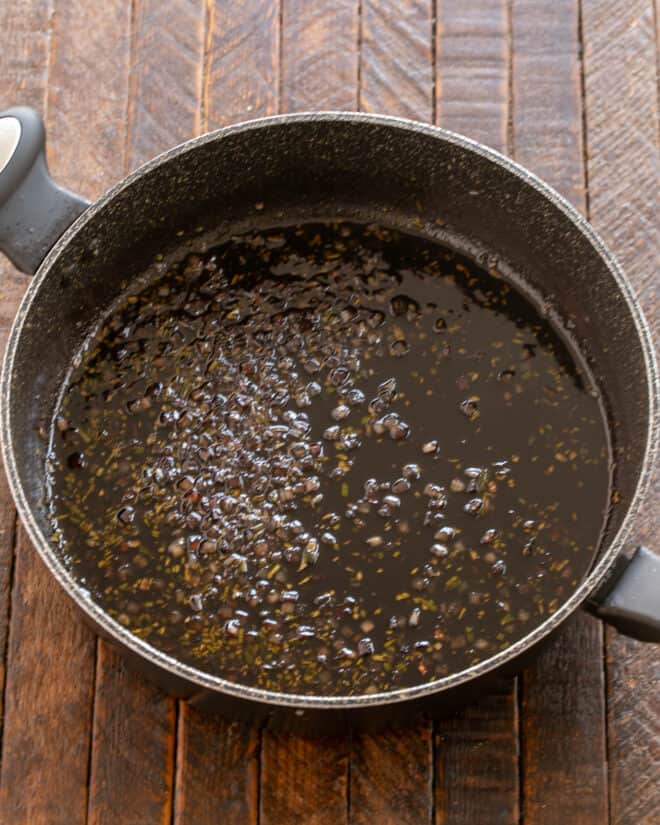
column 630, row 598
column 34, row 210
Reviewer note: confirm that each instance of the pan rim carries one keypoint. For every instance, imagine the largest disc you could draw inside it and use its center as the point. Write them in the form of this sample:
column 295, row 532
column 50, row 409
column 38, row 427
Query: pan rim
column 217, row 684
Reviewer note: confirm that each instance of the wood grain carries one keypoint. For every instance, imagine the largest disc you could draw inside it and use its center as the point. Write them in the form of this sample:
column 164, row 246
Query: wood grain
column 622, row 123
column 217, row 771
column 396, row 76
column 392, row 778
column 166, row 76
column 563, row 694
column 241, row 68
column 319, row 55
column 477, row 750
column 472, row 85
column 304, row 780
column 23, row 77
column 547, row 110
column 477, row 763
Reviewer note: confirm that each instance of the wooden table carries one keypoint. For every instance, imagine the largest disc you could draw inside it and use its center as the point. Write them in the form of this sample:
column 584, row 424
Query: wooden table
column 567, row 87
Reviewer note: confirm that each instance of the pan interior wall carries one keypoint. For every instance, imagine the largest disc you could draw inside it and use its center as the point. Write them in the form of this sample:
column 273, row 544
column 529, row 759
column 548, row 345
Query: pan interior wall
column 316, row 168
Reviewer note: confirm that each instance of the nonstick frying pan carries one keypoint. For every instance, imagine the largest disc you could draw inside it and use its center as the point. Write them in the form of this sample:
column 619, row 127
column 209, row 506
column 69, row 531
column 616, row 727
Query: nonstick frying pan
column 297, row 168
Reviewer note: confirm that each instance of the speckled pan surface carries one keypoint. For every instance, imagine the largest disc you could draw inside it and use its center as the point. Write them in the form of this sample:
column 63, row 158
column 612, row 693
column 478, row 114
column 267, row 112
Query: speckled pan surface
column 297, row 167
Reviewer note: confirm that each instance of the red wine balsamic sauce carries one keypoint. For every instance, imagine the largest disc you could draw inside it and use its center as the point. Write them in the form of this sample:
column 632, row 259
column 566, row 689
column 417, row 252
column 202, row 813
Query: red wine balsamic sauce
column 328, row 459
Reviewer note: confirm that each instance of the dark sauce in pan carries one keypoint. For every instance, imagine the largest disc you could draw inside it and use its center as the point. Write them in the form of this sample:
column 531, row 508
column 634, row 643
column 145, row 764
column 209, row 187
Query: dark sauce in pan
column 329, row 458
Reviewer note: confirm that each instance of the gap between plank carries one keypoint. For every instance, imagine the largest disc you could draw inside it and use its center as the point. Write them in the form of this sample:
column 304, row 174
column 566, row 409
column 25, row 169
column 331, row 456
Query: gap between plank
column 176, row 764
column 518, row 708
column 434, row 90
column 90, row 753
column 280, row 56
column 583, row 119
column 209, row 24
column 359, row 55
column 131, row 85
column 5, row 653
column 510, row 135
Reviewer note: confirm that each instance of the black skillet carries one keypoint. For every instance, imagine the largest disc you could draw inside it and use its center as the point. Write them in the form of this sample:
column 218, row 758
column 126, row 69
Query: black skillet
column 300, row 168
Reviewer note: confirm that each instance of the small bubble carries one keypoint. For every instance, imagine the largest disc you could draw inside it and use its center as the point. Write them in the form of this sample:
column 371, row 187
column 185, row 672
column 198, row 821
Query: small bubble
column 433, row 490
column 366, row 647
column 387, row 389
column 472, row 472
column 470, row 408
column 76, row 461
column 415, row 617
column 340, row 412
column 444, row 534
column 399, row 348
column 473, row 506
column 412, row 471
column 401, row 485
column 355, row 397
column 399, row 431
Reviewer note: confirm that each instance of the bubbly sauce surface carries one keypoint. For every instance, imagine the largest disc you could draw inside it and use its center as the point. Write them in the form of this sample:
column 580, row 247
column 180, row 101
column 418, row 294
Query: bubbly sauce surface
column 331, row 459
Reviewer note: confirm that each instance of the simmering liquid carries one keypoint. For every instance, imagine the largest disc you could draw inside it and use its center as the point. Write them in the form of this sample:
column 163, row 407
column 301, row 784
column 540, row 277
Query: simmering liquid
column 330, row 458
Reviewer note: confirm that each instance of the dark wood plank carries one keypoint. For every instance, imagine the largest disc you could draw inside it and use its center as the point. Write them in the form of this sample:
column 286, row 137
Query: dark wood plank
column 477, row 750
column 217, row 760
column 241, row 71
column 48, row 701
column 396, row 62
column 473, row 69
column 477, row 763
column 86, row 133
column 303, row 780
column 563, row 730
column 319, row 55
column 563, row 697
column 132, row 765
column 547, row 109
column 622, row 120
column 23, row 77
column 217, row 770
column 50, row 657
column 392, row 777
column 166, row 76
